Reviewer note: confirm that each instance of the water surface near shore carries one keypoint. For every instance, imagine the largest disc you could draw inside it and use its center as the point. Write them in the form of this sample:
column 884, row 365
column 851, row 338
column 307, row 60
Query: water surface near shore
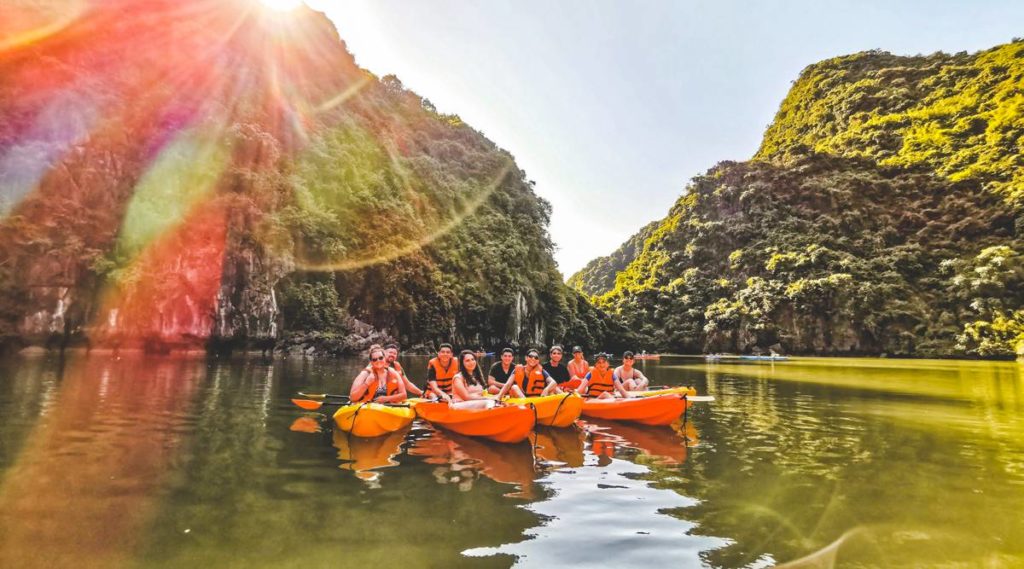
column 185, row 462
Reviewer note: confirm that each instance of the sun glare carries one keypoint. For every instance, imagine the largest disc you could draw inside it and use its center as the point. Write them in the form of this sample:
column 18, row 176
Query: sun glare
column 282, row 5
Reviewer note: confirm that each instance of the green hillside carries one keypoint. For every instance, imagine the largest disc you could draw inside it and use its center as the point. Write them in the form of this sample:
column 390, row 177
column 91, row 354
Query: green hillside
column 882, row 214
column 598, row 277
column 252, row 186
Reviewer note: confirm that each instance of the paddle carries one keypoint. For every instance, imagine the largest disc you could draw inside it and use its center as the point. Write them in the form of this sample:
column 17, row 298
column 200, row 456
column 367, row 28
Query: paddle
column 699, row 398
column 321, row 396
column 310, row 405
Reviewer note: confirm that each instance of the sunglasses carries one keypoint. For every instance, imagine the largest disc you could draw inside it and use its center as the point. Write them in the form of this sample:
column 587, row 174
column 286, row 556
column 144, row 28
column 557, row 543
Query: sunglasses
column 377, row 359
column 534, row 356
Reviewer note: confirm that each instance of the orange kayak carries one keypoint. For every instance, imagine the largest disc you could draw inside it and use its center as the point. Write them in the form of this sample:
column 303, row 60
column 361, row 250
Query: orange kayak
column 655, row 410
column 559, row 410
column 504, row 424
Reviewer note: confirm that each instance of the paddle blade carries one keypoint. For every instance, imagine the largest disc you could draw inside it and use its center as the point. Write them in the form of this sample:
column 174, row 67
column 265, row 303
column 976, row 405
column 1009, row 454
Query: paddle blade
column 700, row 398
column 571, row 384
column 307, row 404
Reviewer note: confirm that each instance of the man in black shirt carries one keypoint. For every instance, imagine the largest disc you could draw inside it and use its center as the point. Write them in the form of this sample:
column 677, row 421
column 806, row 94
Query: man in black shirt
column 501, row 370
column 555, row 368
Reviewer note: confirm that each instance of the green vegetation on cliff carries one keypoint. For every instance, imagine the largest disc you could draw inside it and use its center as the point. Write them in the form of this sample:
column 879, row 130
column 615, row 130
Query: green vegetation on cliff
column 882, row 214
column 598, row 277
column 961, row 115
column 252, row 183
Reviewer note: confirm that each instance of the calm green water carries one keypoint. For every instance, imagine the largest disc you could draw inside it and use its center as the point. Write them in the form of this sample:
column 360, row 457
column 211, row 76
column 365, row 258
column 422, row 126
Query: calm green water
column 164, row 462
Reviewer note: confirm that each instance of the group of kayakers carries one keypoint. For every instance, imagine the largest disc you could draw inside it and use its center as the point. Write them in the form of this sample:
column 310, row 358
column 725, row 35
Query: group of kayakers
column 460, row 379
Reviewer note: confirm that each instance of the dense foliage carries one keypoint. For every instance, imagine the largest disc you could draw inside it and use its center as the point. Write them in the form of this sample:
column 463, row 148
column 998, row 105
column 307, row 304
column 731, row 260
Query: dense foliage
column 252, row 183
column 598, row 277
column 961, row 115
column 882, row 214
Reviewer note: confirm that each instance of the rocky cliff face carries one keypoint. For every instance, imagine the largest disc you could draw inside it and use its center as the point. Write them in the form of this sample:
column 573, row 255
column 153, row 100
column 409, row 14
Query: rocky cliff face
column 881, row 215
column 213, row 174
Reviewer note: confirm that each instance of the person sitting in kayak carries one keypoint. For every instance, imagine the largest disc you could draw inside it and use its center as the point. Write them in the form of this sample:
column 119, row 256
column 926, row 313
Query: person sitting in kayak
column 467, row 385
column 600, row 382
column 501, row 371
column 555, row 368
column 578, row 367
column 632, row 379
column 391, row 351
column 378, row 383
column 440, row 371
column 529, row 380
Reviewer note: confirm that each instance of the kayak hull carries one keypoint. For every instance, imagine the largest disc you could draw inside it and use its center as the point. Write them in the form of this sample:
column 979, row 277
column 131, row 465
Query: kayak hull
column 372, row 419
column 559, row 410
column 654, row 410
column 504, row 424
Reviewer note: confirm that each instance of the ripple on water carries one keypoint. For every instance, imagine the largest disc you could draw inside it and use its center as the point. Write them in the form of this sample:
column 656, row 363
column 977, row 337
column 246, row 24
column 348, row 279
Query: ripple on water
column 606, row 516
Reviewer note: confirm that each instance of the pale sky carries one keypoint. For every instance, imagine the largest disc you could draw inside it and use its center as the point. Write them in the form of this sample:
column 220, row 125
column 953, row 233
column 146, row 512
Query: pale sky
column 612, row 106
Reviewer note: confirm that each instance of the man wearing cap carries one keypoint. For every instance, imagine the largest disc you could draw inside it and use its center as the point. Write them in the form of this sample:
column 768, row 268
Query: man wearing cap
column 600, row 382
column 555, row 368
column 529, row 380
column 578, row 367
column 632, row 379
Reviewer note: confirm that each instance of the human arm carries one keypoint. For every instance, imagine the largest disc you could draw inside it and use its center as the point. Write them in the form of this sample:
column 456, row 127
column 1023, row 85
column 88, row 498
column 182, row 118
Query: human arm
column 360, row 385
column 550, row 385
column 432, row 386
column 460, row 390
column 619, row 388
column 584, row 384
column 510, row 388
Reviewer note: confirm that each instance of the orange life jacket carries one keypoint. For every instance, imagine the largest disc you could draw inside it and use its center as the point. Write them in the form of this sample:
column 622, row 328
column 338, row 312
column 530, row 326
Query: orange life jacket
column 575, row 371
column 534, row 384
column 442, row 375
column 390, row 385
column 600, row 382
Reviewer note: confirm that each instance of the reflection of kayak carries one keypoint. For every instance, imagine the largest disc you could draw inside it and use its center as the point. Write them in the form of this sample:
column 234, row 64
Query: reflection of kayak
column 670, row 390
column 372, row 419
column 663, row 445
column 505, row 424
column 654, row 410
column 467, row 458
column 559, row 410
column 560, row 445
column 363, row 455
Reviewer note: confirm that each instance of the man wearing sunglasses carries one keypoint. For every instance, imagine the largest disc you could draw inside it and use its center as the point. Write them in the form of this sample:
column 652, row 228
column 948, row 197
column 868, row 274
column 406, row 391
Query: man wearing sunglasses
column 529, row 380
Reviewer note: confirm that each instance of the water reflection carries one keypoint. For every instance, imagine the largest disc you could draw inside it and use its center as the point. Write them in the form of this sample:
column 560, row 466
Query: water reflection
column 164, row 462
column 663, row 446
column 364, row 456
column 462, row 460
column 603, row 509
column 92, row 468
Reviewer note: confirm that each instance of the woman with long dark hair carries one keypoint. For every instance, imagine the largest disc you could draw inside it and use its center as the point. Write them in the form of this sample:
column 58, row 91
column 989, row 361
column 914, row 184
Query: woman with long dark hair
column 469, row 383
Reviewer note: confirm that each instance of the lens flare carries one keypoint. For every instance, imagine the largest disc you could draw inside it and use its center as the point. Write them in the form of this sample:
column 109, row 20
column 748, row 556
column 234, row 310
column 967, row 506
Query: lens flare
column 282, row 5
